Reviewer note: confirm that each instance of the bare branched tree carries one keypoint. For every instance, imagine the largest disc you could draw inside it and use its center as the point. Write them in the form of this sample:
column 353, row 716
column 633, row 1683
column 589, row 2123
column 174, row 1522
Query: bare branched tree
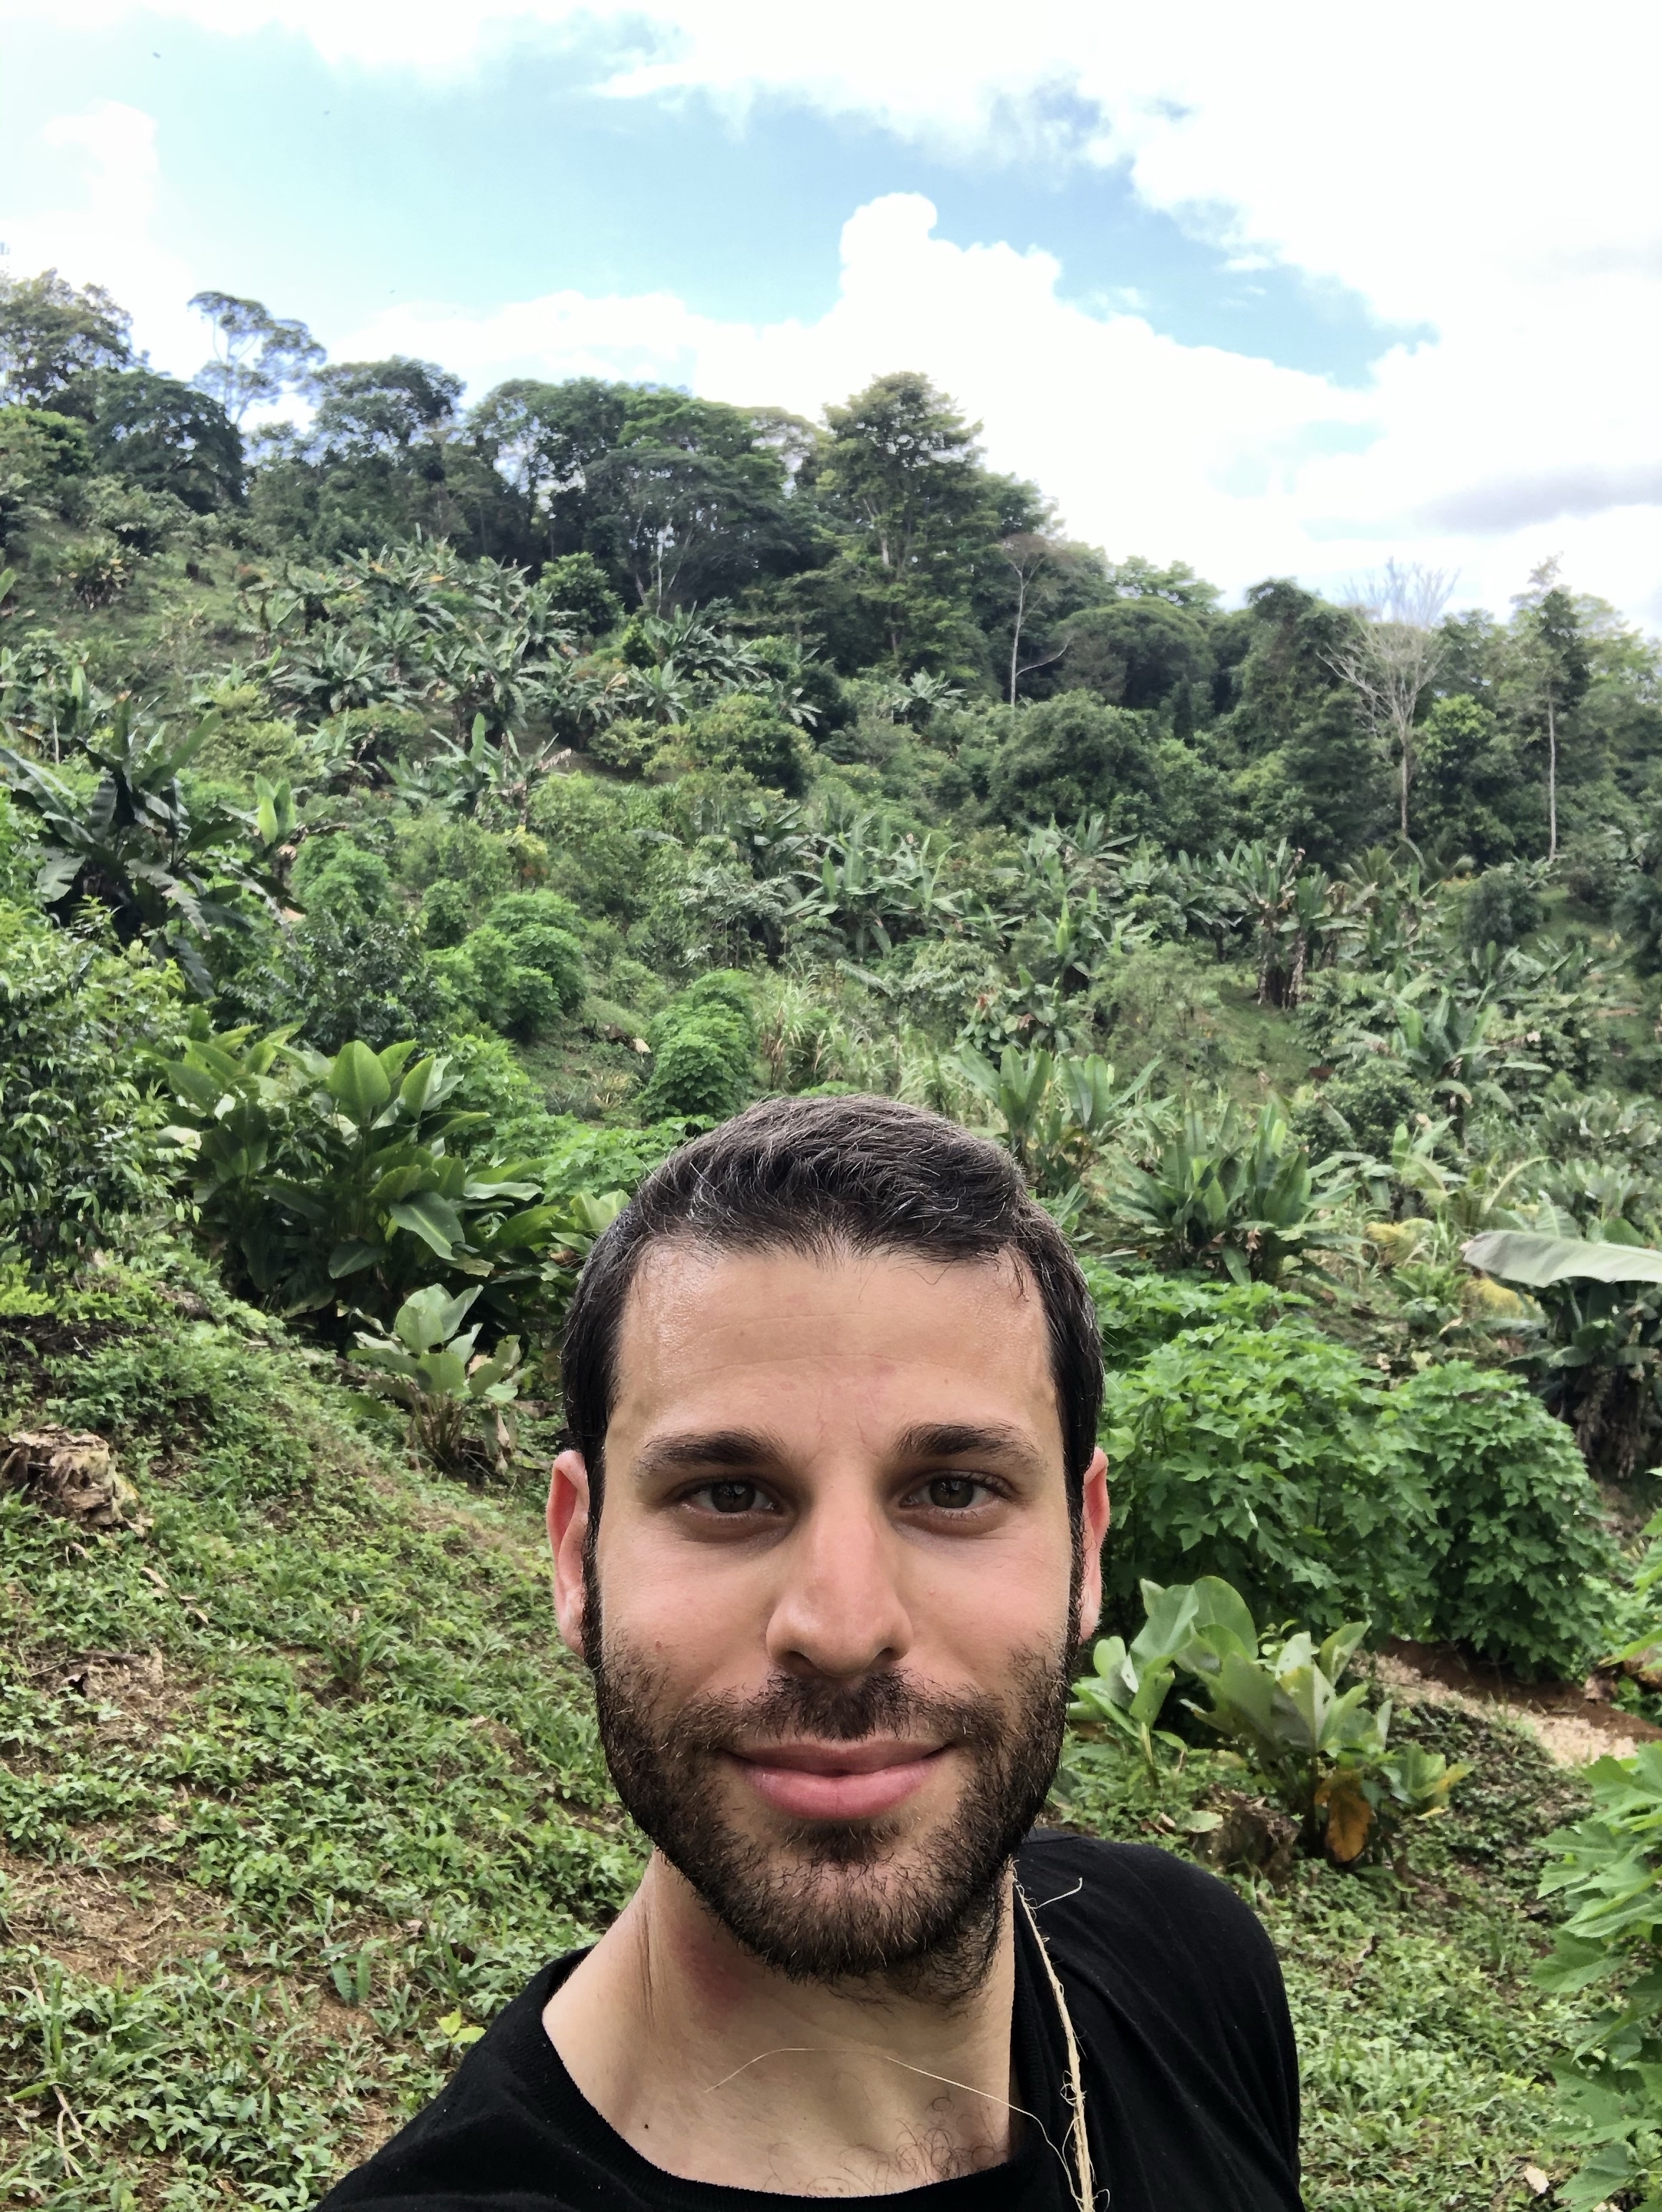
column 1393, row 655
column 1029, row 556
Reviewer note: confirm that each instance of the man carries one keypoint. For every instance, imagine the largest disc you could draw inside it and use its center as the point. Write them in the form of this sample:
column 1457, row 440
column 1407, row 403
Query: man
column 828, row 1536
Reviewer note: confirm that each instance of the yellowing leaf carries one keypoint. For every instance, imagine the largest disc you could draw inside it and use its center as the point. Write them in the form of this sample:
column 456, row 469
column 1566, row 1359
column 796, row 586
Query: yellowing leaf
column 1349, row 1815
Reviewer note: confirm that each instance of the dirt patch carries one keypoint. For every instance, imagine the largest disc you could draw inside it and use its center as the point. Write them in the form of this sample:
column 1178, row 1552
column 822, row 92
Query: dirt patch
column 1571, row 1727
column 92, row 1923
column 130, row 1696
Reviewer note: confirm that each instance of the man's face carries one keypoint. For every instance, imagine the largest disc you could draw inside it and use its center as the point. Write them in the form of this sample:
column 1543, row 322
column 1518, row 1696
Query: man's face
column 839, row 1587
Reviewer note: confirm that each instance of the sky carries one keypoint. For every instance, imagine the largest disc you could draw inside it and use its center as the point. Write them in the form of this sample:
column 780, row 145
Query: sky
column 1289, row 290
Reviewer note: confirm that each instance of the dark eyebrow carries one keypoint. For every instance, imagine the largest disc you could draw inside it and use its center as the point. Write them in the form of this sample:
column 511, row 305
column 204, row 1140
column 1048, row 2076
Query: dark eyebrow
column 696, row 1449
column 952, row 1439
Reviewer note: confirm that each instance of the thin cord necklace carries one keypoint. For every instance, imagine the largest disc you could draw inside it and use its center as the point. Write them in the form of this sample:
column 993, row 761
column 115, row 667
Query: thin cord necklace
column 1080, row 2175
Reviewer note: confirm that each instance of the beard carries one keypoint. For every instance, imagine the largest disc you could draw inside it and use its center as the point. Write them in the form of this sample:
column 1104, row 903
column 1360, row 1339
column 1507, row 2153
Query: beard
column 845, row 1900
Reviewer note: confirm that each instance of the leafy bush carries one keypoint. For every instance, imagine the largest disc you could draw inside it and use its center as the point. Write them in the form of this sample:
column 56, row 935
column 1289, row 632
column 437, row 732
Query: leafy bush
column 333, row 1182
column 1501, row 907
column 703, row 1047
column 599, row 853
column 1608, row 1877
column 77, row 1120
column 745, row 731
column 1360, row 1109
column 341, row 975
column 1138, row 1309
column 1523, row 1561
column 429, row 1369
column 522, row 968
column 1322, row 1752
column 1453, row 1506
column 1256, row 1454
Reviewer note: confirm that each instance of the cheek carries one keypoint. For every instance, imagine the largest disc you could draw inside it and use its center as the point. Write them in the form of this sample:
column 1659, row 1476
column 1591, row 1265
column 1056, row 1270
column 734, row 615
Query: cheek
column 696, row 1615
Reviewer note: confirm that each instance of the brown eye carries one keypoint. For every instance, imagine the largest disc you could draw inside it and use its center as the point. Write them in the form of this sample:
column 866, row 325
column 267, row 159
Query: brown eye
column 732, row 1497
column 952, row 1492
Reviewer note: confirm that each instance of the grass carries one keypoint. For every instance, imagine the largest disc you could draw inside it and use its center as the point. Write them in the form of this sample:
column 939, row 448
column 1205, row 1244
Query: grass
column 298, row 1789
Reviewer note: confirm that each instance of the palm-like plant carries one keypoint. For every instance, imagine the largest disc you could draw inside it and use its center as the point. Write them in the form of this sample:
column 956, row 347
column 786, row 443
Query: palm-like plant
column 167, row 870
column 1239, row 1196
column 1449, row 1049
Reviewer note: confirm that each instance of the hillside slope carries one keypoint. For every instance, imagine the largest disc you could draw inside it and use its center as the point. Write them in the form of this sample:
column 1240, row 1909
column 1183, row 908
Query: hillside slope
column 299, row 1787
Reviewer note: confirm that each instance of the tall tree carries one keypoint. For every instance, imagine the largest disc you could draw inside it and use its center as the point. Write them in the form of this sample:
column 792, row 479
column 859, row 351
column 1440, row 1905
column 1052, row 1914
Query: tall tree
column 1392, row 654
column 899, row 475
column 381, row 408
column 257, row 356
column 1557, row 667
column 51, row 332
column 163, row 434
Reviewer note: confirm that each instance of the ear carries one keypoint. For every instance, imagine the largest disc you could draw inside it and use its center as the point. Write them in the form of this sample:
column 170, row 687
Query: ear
column 1095, row 1513
column 567, row 1533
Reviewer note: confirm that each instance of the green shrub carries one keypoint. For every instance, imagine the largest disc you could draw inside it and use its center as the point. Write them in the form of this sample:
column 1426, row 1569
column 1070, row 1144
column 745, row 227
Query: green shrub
column 1322, row 1752
column 77, row 1120
column 447, row 913
column 347, row 1182
column 745, row 732
column 1138, row 1310
column 335, row 873
column 1256, row 1455
column 522, row 968
column 1503, row 905
column 1523, row 1564
column 1360, row 1110
column 578, row 587
column 597, row 855
column 1608, row 1877
column 1454, row 1506
column 458, row 854
column 342, row 973
column 704, row 1045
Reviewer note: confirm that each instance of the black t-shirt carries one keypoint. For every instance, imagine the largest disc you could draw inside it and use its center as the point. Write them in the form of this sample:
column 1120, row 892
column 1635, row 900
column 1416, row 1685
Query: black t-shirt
column 1190, row 2078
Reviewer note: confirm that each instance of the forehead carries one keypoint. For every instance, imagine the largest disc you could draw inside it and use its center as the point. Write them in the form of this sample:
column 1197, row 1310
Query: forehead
column 707, row 1334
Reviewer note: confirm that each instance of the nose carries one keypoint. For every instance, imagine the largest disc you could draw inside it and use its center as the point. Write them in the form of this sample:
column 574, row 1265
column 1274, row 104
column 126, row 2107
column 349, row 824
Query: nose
column 839, row 1610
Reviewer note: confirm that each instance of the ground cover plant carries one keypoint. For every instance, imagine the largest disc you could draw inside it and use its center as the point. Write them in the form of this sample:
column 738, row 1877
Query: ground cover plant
column 415, row 823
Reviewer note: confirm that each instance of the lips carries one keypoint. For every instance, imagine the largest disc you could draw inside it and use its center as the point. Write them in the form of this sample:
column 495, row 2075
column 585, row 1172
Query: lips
column 838, row 1781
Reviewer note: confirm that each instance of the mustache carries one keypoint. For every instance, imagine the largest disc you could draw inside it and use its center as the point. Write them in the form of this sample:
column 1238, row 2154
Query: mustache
column 791, row 1706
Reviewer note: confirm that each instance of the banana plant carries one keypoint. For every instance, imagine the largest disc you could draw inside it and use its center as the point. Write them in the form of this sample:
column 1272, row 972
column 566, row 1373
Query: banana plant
column 170, row 872
column 1600, row 1367
column 431, row 1370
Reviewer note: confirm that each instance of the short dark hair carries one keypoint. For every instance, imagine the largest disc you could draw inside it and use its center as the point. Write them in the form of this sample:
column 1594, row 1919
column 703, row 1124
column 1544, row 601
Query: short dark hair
column 815, row 1176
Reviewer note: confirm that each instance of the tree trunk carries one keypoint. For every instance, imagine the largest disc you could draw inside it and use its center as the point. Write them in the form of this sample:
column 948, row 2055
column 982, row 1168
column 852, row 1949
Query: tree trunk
column 1552, row 780
column 1016, row 641
column 1403, row 808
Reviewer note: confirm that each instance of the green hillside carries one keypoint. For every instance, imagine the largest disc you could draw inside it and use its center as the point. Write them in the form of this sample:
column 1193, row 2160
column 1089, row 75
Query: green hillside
column 415, row 821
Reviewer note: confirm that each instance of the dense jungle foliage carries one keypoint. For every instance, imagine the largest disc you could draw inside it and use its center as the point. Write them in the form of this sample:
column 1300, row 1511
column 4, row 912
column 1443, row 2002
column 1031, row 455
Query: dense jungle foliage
column 417, row 819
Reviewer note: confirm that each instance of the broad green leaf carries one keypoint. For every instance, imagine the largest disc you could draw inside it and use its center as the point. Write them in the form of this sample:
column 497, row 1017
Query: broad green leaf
column 444, row 1373
column 354, row 1254
column 1520, row 1256
column 432, row 1218
column 431, row 1316
column 358, row 1084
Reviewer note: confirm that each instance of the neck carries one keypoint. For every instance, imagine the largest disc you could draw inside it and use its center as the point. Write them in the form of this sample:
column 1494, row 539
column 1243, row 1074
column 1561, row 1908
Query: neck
column 718, row 2068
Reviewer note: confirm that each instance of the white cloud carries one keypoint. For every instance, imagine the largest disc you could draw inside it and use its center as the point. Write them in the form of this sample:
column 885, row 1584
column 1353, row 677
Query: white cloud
column 1455, row 170
column 106, row 234
column 1477, row 456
